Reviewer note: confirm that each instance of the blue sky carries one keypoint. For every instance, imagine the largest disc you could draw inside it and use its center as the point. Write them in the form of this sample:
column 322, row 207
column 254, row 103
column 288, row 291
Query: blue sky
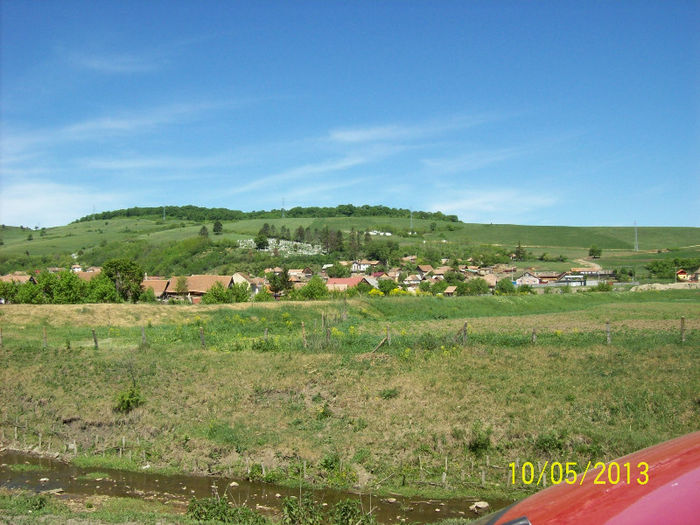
column 572, row 113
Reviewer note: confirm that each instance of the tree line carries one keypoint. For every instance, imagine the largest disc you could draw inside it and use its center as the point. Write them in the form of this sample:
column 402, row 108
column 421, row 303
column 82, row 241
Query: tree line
column 197, row 213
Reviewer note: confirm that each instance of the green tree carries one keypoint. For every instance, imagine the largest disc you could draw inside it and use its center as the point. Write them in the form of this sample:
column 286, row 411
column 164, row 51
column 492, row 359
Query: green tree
column 505, row 286
column 260, row 241
column 314, row 289
column 476, row 286
column 126, row 276
column 181, row 286
column 29, row 293
column 595, row 252
column 338, row 270
column 217, row 294
column 387, row 285
column 70, row 289
column 203, row 232
column 520, row 252
column 240, row 293
column 218, row 228
column 279, row 282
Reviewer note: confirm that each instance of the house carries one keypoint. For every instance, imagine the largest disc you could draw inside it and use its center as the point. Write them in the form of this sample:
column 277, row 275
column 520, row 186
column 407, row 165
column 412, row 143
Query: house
column 341, row 284
column 449, row 291
column 412, row 280
column 90, row 275
column 17, row 277
column 572, row 279
column 490, row 279
column 196, row 286
column 157, row 285
column 76, row 268
column 361, row 266
column 696, row 275
column 441, row 271
column 682, row 275
column 304, row 274
column 424, row 268
column 254, row 284
column 528, row 279
column 549, row 277
column 276, row 270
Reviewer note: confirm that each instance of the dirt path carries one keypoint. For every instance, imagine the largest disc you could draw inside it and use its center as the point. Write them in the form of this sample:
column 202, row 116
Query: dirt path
column 590, row 264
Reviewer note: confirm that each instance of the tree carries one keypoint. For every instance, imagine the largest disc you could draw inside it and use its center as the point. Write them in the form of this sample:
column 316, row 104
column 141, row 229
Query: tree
column 217, row 294
column 126, row 276
column 314, row 289
column 338, row 270
column 505, row 286
column 240, row 293
column 218, row 228
column 279, row 282
column 181, row 286
column 387, row 285
column 203, row 232
column 261, row 241
column 520, row 252
column 595, row 252
column 70, row 289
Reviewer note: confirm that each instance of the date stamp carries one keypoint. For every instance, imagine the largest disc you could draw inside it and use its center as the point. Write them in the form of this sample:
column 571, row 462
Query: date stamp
column 556, row 473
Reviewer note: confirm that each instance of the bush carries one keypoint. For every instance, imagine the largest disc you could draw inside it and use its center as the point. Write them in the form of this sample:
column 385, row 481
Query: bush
column 349, row 512
column 389, row 393
column 302, row 511
column 314, row 289
column 505, row 287
column 480, row 441
column 129, row 400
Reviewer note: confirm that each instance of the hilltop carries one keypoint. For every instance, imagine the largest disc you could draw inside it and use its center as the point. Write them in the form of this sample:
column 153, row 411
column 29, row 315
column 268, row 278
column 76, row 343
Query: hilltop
column 174, row 244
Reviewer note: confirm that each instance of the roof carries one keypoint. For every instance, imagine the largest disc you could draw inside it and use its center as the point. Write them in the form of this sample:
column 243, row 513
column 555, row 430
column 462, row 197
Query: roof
column 347, row 281
column 450, row 289
column 88, row 276
column 16, row 277
column 157, row 285
column 425, row 268
column 200, row 284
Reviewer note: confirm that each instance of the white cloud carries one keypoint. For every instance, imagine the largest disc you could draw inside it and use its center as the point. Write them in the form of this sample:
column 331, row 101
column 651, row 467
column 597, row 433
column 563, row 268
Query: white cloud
column 493, row 205
column 472, row 161
column 43, row 203
column 115, row 64
column 391, row 132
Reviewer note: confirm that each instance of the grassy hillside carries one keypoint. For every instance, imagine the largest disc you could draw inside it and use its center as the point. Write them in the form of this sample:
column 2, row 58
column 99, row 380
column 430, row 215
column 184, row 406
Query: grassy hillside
column 91, row 239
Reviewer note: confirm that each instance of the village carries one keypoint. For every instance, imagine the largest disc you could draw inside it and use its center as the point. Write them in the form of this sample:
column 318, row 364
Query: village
column 366, row 276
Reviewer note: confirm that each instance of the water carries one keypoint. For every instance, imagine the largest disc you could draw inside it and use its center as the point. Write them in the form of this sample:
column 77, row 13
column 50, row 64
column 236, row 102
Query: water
column 179, row 489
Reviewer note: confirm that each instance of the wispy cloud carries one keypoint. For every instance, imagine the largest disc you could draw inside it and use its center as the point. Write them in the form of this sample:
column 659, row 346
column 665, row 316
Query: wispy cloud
column 473, row 160
column 499, row 205
column 307, row 170
column 46, row 203
column 116, row 64
column 391, row 132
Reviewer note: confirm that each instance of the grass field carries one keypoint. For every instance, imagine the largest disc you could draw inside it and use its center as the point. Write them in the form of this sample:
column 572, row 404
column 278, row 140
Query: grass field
column 386, row 420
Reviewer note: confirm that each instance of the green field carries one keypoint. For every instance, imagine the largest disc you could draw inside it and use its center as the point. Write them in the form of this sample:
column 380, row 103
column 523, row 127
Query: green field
column 383, row 419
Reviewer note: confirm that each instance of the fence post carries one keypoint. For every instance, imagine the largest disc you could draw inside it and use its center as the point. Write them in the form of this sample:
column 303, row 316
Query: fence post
column 201, row 337
column 607, row 331
column 266, row 333
column 94, row 338
column 682, row 329
column 143, row 336
column 45, row 341
column 534, row 335
column 465, row 333
column 328, row 336
column 303, row 334
column 388, row 335
column 1, row 337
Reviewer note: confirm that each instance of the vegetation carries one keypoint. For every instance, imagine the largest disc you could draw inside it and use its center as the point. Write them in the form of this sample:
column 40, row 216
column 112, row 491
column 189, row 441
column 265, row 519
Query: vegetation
column 383, row 420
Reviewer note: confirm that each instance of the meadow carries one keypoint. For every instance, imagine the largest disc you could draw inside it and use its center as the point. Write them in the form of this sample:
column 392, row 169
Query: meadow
column 461, row 390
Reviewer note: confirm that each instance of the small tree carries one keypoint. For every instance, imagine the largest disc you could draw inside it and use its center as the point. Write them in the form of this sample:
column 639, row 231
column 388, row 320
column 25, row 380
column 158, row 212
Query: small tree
column 240, row 293
column 314, row 289
column 181, row 286
column 520, row 253
column 216, row 294
column 505, row 286
column 218, row 228
column 260, row 241
column 595, row 252
column 387, row 285
column 126, row 276
column 203, row 232
column 279, row 282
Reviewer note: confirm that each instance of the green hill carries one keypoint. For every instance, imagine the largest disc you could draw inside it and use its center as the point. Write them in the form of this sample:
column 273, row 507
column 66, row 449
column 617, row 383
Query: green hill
column 174, row 244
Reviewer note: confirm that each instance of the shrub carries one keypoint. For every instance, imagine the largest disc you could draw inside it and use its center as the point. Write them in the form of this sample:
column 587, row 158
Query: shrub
column 349, row 512
column 505, row 286
column 264, row 344
column 302, row 511
column 217, row 509
column 129, row 399
column 480, row 441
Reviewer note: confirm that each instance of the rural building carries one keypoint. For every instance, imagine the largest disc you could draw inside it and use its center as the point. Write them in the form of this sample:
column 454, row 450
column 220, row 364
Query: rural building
column 157, row 285
column 196, row 286
column 361, row 266
column 341, row 284
column 449, row 291
column 17, row 277
column 254, row 284
column 528, row 279
column 90, row 274
column 424, row 269
column 682, row 275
